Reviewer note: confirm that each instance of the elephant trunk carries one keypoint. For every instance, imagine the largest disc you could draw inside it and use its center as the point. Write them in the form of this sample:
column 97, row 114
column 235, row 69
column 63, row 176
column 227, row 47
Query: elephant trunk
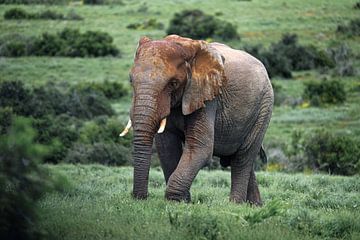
column 145, row 124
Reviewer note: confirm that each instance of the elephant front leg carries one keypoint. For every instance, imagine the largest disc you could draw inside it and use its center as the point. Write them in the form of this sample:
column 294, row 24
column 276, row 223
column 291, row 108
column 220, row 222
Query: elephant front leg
column 169, row 149
column 178, row 187
column 198, row 149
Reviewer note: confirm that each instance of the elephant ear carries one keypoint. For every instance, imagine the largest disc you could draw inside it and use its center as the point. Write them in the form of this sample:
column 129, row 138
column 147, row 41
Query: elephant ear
column 206, row 73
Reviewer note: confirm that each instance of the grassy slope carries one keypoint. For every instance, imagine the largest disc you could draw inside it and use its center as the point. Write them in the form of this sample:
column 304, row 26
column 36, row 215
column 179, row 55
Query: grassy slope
column 314, row 21
column 97, row 205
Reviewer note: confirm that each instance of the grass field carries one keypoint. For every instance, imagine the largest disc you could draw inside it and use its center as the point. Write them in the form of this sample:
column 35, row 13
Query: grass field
column 96, row 204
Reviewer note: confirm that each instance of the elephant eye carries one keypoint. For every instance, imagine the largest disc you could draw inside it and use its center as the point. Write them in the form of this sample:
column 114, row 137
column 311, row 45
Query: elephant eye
column 174, row 83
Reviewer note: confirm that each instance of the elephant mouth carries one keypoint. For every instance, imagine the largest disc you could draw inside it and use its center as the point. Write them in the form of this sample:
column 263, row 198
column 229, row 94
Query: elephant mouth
column 129, row 124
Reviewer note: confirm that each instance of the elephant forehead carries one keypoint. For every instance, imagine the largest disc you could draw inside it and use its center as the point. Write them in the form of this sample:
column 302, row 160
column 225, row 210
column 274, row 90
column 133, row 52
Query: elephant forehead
column 159, row 51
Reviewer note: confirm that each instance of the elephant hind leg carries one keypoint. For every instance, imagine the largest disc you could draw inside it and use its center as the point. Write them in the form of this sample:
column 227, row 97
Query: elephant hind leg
column 253, row 193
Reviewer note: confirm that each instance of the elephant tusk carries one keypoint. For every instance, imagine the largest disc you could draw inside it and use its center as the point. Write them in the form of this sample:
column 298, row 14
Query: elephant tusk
column 126, row 129
column 162, row 126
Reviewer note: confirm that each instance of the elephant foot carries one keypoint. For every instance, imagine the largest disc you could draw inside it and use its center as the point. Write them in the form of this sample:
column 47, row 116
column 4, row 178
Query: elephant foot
column 178, row 196
column 237, row 199
column 140, row 195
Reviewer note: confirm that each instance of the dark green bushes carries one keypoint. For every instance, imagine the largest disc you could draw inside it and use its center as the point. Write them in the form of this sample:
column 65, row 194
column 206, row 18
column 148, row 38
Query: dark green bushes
column 34, row 1
column 22, row 181
column 111, row 90
column 58, row 116
column 352, row 29
column 19, row 13
column 287, row 55
column 198, row 25
column 67, row 43
column 324, row 92
column 147, row 24
column 324, row 151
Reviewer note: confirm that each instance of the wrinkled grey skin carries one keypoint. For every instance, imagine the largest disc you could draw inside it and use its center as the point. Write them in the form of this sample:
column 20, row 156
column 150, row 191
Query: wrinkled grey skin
column 231, row 126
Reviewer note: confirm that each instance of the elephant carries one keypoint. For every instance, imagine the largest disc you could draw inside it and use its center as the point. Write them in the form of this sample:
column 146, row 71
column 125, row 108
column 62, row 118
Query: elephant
column 207, row 100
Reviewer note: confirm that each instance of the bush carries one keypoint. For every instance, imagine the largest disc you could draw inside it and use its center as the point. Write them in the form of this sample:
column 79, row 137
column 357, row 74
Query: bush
column 34, row 1
column 198, row 25
column 15, row 96
column 94, row 2
column 287, row 55
column 67, row 43
column 332, row 153
column 18, row 13
column 324, row 92
column 147, row 24
column 324, row 151
column 104, row 153
column 22, row 181
column 341, row 56
column 111, row 90
column 352, row 29
column 356, row 5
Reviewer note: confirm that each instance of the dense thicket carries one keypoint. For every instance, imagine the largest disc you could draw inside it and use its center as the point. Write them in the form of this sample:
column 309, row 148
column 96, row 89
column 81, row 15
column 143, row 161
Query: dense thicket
column 324, row 92
column 19, row 13
column 198, row 25
column 67, row 43
column 80, row 114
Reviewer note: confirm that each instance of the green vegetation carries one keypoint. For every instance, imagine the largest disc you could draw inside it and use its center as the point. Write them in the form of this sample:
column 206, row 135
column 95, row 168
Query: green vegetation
column 68, row 43
column 22, row 181
column 198, row 25
column 296, row 207
column 78, row 105
column 324, row 92
column 19, row 13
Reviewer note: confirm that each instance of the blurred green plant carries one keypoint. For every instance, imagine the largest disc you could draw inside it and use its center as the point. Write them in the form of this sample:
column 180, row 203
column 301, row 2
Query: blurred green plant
column 22, row 181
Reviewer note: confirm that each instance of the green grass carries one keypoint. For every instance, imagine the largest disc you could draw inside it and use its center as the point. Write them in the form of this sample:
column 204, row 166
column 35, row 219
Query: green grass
column 96, row 204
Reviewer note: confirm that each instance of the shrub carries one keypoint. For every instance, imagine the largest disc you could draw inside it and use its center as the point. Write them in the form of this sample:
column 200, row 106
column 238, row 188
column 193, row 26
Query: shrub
column 15, row 96
column 16, row 45
column 332, row 153
column 6, row 116
column 324, row 151
column 356, row 5
column 22, row 181
column 16, row 13
column 198, row 25
column 352, row 29
column 94, row 2
column 147, row 24
column 111, row 90
column 288, row 55
column 34, row 1
column 341, row 56
column 105, row 153
column 68, row 43
column 324, row 92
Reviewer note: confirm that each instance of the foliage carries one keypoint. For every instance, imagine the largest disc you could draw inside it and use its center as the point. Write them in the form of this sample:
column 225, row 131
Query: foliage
column 324, row 151
column 107, row 153
column 34, row 1
column 68, row 43
column 111, row 90
column 271, row 209
column 324, row 92
column 332, row 153
column 287, row 55
column 352, row 29
column 198, row 25
column 151, row 23
column 22, row 181
column 341, row 56
column 356, row 5
column 94, row 2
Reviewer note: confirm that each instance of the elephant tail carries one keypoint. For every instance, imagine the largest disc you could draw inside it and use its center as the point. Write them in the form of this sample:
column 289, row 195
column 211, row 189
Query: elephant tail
column 262, row 154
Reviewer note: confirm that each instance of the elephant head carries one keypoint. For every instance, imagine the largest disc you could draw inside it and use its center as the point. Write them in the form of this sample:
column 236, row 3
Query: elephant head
column 168, row 73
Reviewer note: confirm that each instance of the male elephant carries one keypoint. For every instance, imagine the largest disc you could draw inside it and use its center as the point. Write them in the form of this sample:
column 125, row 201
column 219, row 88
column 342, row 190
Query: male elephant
column 217, row 101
